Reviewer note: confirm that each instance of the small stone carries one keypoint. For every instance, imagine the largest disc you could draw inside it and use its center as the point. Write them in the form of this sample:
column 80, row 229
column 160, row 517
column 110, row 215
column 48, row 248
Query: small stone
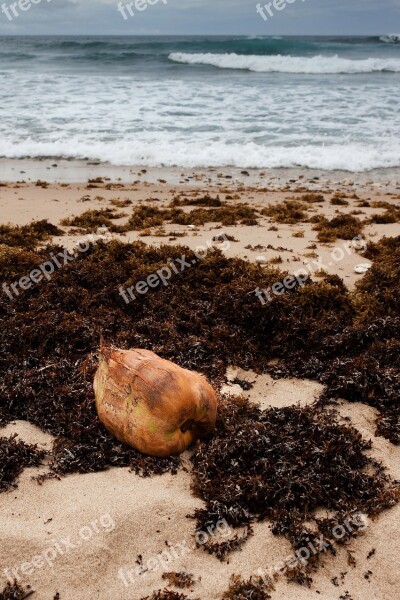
column 362, row 268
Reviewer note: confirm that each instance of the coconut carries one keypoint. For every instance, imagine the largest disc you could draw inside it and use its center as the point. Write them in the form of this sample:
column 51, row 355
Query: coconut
column 152, row 404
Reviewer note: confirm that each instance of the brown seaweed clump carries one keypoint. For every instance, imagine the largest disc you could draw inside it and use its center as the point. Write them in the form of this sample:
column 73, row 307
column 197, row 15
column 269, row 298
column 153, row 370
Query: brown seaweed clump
column 91, row 220
column 15, row 592
column 282, row 465
column 166, row 594
column 227, row 215
column 144, row 217
column 290, row 212
column 47, row 379
column 180, row 580
column 312, row 198
column 28, row 236
column 392, row 215
column 252, row 589
column 345, row 227
column 206, row 200
column 15, row 456
column 338, row 200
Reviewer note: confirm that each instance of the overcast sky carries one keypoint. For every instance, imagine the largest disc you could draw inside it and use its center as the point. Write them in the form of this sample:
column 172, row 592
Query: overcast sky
column 301, row 17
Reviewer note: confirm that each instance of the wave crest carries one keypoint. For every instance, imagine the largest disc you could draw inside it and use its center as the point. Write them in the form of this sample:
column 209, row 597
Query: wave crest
column 289, row 64
column 390, row 38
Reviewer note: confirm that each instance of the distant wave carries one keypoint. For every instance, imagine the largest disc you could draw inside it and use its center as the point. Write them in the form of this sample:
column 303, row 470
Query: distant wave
column 289, row 64
column 390, row 38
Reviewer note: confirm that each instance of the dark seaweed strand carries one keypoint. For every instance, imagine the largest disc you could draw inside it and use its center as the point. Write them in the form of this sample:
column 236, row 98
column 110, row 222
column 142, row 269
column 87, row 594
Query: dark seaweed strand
column 15, row 456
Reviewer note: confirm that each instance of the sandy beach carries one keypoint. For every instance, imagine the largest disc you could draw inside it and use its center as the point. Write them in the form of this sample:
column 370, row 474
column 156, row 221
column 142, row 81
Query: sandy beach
column 116, row 520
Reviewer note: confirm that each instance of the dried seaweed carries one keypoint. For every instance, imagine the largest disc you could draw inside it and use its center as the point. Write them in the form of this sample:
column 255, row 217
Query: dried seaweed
column 206, row 200
column 15, row 456
column 47, row 379
column 283, row 465
column 338, row 200
column 91, row 220
column 206, row 319
column 166, row 594
column 28, row 236
column 290, row 211
column 312, row 198
column 222, row 549
column 345, row 227
column 144, row 217
column 227, row 215
column 392, row 215
column 15, row 592
column 180, row 580
column 252, row 589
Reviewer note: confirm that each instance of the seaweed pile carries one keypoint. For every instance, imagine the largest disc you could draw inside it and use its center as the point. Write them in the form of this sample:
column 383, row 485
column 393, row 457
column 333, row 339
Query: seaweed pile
column 390, row 216
column 15, row 456
column 49, row 335
column 206, row 319
column 345, row 227
column 206, row 200
column 91, row 220
column 290, row 211
column 282, row 465
column 227, row 215
column 28, row 236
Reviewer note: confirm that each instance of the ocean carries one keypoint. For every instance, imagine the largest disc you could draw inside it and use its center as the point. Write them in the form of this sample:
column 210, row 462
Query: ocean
column 318, row 102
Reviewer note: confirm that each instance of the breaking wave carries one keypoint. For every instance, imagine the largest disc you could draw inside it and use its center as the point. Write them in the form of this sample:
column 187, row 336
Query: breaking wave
column 289, row 64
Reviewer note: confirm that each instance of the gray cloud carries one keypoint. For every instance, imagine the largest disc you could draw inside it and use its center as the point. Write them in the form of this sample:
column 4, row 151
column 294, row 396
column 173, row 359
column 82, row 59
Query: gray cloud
column 301, row 17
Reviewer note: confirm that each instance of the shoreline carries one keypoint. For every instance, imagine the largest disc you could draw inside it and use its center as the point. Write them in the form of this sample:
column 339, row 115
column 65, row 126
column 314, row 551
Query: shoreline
column 71, row 171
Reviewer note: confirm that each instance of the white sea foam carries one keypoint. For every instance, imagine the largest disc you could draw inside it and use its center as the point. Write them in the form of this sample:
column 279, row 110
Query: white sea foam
column 391, row 38
column 352, row 124
column 353, row 157
column 289, row 64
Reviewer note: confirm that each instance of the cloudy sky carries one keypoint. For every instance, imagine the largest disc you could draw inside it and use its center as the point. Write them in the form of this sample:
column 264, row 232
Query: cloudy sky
column 301, row 17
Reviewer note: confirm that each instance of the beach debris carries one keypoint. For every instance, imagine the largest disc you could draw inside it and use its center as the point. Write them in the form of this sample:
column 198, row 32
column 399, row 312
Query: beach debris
column 205, row 321
column 15, row 456
column 251, row 589
column 362, row 268
column 343, row 226
column 91, row 220
column 206, row 200
column 283, row 464
column 28, row 236
column 312, row 198
column 13, row 591
column 166, row 594
column 152, row 404
column 289, row 211
column 180, row 580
